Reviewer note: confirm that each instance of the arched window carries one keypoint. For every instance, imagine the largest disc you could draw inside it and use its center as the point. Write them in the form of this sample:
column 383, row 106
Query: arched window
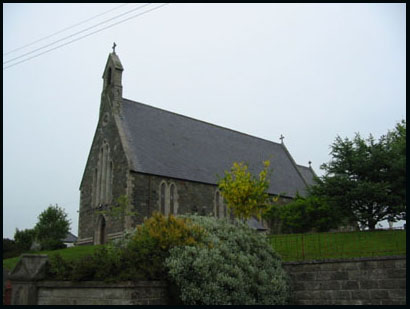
column 168, row 198
column 171, row 198
column 100, row 232
column 102, row 183
column 162, row 203
column 94, row 188
column 109, row 76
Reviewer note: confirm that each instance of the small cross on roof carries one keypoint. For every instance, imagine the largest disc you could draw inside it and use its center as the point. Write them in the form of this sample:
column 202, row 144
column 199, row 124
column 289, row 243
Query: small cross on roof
column 281, row 138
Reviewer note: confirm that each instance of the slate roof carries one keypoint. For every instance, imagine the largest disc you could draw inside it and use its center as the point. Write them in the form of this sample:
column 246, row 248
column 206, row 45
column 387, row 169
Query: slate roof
column 172, row 145
column 307, row 174
column 70, row 238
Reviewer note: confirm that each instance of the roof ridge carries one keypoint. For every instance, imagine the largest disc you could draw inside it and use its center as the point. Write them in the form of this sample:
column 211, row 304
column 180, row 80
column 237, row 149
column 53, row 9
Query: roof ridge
column 208, row 123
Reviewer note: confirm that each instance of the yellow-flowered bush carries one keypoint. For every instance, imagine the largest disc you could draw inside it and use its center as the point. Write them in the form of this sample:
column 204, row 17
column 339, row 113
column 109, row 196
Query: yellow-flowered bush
column 245, row 194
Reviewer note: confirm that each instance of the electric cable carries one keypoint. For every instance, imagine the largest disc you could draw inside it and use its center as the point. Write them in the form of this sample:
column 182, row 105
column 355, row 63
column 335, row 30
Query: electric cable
column 65, row 29
column 134, row 16
column 71, row 35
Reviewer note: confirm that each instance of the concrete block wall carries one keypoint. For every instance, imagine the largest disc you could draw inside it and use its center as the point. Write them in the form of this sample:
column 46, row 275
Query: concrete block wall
column 361, row 281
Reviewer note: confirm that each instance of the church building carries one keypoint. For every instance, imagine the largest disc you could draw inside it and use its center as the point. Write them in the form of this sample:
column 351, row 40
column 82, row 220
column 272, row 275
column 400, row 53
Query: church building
column 166, row 162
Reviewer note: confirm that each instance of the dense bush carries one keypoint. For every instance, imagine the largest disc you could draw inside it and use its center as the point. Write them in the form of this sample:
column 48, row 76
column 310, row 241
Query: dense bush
column 10, row 249
column 306, row 214
column 237, row 267
column 24, row 238
column 149, row 246
column 138, row 256
column 103, row 265
column 207, row 261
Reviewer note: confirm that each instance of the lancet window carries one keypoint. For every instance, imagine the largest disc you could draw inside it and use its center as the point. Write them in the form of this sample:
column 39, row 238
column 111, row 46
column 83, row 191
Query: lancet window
column 168, row 199
column 103, row 174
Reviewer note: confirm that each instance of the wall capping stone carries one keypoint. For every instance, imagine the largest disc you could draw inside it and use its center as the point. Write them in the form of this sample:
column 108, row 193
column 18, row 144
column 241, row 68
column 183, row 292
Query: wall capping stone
column 101, row 284
column 360, row 259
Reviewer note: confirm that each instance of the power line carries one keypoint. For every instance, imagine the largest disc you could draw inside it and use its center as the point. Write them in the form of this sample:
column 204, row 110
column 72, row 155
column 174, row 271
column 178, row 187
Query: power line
column 65, row 29
column 78, row 32
column 134, row 16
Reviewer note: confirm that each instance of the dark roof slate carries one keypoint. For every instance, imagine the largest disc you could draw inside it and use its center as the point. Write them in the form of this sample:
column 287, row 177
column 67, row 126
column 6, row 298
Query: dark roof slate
column 307, row 174
column 172, row 145
column 70, row 238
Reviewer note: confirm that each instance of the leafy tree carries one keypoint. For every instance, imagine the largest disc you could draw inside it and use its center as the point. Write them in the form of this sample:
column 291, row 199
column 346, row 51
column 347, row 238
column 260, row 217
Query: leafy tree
column 10, row 248
column 245, row 194
column 52, row 226
column 365, row 179
column 305, row 214
column 24, row 238
column 395, row 144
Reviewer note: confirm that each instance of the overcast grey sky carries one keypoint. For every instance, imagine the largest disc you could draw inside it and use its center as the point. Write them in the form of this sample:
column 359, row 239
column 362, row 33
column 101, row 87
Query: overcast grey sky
column 307, row 71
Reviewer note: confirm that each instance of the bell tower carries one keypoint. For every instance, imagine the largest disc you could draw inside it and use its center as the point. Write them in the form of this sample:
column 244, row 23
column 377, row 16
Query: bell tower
column 112, row 86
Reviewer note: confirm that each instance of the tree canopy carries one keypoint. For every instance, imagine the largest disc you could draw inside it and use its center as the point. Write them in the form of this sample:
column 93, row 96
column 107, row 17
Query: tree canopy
column 306, row 214
column 365, row 178
column 245, row 194
column 52, row 227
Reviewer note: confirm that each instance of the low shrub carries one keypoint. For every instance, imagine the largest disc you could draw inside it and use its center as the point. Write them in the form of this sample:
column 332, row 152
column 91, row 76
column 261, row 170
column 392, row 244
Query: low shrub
column 207, row 261
column 239, row 267
column 139, row 256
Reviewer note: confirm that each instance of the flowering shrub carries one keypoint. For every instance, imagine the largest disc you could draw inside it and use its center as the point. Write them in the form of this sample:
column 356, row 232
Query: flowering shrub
column 148, row 247
column 238, row 266
column 245, row 194
column 139, row 255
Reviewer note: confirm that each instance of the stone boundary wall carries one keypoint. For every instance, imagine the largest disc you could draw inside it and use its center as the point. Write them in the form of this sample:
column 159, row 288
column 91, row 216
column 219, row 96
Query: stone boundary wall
column 359, row 281
column 102, row 293
column 29, row 287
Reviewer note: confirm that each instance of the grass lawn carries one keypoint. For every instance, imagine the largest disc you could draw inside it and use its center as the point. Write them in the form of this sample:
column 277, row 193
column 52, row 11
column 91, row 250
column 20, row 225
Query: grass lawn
column 297, row 247
column 68, row 253
column 317, row 246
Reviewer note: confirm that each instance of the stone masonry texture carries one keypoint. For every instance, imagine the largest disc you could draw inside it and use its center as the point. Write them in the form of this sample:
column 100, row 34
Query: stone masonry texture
column 361, row 281
column 100, row 293
column 88, row 215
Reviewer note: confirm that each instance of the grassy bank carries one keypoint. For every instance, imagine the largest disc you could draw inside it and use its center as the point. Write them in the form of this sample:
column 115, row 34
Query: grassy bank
column 297, row 247
column 315, row 246
column 68, row 253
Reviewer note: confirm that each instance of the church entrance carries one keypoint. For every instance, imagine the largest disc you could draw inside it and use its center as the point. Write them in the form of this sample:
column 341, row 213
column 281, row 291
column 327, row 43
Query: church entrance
column 100, row 236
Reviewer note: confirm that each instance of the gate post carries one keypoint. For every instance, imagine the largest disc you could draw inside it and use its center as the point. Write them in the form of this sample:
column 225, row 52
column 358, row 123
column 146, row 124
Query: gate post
column 30, row 269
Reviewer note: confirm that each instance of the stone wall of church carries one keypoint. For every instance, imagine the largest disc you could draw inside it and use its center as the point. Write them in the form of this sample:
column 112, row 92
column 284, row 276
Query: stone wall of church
column 89, row 216
column 190, row 196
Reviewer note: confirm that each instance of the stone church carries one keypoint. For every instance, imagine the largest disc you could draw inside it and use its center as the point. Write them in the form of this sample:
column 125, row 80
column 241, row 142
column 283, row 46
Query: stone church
column 166, row 162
